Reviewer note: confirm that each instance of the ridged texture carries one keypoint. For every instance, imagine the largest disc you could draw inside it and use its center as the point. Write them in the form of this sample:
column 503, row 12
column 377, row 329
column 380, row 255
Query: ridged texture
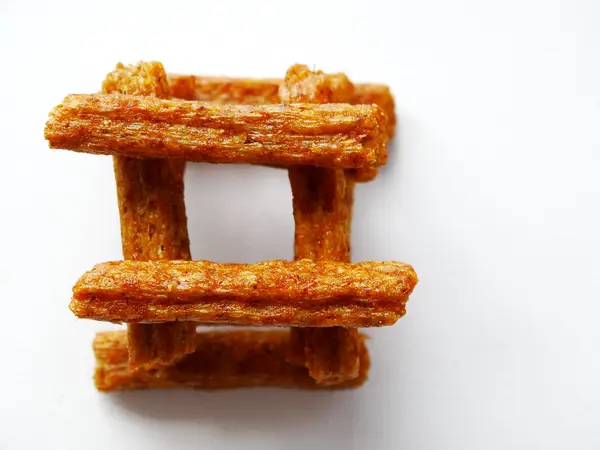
column 266, row 91
column 222, row 360
column 152, row 208
column 327, row 148
column 322, row 228
column 336, row 136
column 261, row 92
column 332, row 355
column 283, row 293
column 321, row 214
column 302, row 85
column 150, row 194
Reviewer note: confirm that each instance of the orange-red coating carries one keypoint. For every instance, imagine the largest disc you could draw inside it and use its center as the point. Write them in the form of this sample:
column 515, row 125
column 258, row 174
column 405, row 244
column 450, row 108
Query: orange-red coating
column 251, row 91
column 332, row 135
column 322, row 228
column 150, row 194
column 222, row 360
column 280, row 293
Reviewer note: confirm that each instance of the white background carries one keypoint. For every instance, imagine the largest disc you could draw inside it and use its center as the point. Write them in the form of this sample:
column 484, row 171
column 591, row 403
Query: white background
column 491, row 192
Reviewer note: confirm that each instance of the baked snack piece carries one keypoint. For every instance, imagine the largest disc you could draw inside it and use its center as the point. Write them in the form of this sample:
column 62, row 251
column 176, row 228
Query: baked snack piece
column 150, row 193
column 328, row 133
column 262, row 92
column 342, row 136
column 322, row 227
column 281, row 293
column 222, row 360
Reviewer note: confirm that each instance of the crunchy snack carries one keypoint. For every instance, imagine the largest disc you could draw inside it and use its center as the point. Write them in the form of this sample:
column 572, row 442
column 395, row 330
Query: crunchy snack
column 155, row 345
column 153, row 219
column 222, row 360
column 322, row 228
column 283, row 293
column 307, row 124
column 152, row 208
column 337, row 136
column 143, row 78
column 332, row 355
column 321, row 213
column 302, row 85
column 259, row 92
column 250, row 91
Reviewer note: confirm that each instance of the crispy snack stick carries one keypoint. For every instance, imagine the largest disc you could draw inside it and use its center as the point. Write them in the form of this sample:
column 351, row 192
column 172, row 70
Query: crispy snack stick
column 153, row 219
column 322, row 226
column 152, row 208
column 331, row 354
column 222, row 360
column 321, row 213
column 261, row 92
column 282, row 293
column 302, row 85
column 338, row 136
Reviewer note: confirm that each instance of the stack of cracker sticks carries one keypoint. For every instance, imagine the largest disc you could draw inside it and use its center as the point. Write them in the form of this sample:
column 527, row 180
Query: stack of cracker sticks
column 328, row 133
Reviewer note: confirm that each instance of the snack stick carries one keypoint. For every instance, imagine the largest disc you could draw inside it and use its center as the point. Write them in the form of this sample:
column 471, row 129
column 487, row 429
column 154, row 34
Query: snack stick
column 270, row 281
column 152, row 208
column 280, row 293
column 266, row 91
column 153, row 219
column 143, row 78
column 302, row 85
column 322, row 227
column 331, row 354
column 156, row 345
column 321, row 214
column 222, row 360
column 336, row 136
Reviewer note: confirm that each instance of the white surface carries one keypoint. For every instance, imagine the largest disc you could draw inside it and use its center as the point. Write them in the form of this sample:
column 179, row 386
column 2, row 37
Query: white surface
column 491, row 192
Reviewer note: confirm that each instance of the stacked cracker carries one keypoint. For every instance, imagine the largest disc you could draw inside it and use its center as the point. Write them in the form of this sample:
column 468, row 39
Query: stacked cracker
column 329, row 134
